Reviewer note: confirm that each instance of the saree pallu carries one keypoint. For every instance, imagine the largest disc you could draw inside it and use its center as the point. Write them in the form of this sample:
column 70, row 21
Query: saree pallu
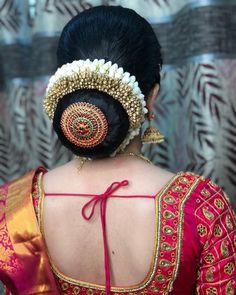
column 194, row 253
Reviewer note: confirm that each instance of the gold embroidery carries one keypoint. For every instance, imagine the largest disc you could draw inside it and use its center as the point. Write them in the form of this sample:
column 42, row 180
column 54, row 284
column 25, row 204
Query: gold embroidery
column 229, row 268
column 89, row 292
column 213, row 184
column 202, row 230
column 169, row 200
column 178, row 188
column 228, row 222
column 194, row 182
column 217, row 230
column 211, row 291
column 209, row 215
column 183, row 180
column 161, row 278
column 168, row 214
column 64, row 286
column 5, row 254
column 76, row 290
column 168, row 230
column 206, row 245
column 154, row 289
column 235, row 240
column 226, row 197
column 209, row 275
column 209, row 258
column 8, row 261
column 219, row 203
column 224, row 249
column 165, row 263
column 229, row 288
column 205, row 192
column 166, row 246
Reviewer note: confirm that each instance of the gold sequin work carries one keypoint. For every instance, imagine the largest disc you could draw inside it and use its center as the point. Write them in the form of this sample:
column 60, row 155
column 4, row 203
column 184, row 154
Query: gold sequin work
column 224, row 248
column 209, row 275
column 230, row 288
column 229, row 268
column 205, row 192
column 209, row 215
column 229, row 223
column 219, row 203
column 202, row 230
column 217, row 230
column 211, row 291
column 209, row 258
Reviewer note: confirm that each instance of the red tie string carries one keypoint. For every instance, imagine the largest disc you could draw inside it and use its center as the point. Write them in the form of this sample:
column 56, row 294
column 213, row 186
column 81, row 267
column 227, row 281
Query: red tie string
column 102, row 199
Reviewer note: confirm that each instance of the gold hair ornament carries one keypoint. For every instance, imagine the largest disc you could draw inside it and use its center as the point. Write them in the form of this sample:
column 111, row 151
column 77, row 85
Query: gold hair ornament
column 105, row 77
column 84, row 124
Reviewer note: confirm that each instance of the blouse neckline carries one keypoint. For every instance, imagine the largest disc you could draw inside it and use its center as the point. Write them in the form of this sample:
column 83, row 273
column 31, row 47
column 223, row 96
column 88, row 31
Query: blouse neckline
column 146, row 281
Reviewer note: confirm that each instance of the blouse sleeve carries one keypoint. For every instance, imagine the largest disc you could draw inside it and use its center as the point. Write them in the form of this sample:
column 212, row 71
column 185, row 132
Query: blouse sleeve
column 216, row 226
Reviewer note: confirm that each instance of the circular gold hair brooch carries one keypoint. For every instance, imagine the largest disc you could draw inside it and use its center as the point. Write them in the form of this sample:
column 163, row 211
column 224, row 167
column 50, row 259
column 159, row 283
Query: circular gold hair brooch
column 84, row 124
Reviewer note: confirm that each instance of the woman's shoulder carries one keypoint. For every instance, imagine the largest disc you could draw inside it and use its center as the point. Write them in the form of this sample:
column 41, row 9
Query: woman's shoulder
column 17, row 189
column 212, row 209
column 205, row 191
column 206, row 197
column 27, row 176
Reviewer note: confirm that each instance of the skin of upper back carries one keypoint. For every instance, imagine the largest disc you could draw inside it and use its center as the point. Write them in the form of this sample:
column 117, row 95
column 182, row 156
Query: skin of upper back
column 76, row 245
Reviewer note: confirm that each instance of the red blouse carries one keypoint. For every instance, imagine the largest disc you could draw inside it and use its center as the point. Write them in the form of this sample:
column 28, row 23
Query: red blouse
column 194, row 246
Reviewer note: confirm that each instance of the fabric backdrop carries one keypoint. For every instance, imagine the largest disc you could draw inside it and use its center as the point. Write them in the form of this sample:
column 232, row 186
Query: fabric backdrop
column 196, row 109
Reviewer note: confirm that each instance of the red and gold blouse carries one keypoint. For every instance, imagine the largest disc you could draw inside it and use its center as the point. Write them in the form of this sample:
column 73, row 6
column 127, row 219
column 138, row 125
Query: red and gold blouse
column 195, row 242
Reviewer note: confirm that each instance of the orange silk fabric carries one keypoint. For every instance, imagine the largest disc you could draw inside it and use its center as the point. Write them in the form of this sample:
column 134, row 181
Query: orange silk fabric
column 26, row 269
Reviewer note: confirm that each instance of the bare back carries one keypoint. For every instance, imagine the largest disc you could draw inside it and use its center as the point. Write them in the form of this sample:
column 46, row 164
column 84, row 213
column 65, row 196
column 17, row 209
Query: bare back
column 76, row 245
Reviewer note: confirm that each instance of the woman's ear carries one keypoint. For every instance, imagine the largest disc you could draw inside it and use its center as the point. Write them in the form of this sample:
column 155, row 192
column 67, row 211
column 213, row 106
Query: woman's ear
column 151, row 99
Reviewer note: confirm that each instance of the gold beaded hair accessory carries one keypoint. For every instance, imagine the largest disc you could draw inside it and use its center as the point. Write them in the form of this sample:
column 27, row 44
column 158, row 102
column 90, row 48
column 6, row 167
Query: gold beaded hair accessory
column 84, row 124
column 105, row 77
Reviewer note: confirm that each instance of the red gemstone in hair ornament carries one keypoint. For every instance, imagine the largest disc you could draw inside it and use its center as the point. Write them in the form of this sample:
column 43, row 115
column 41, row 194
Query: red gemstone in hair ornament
column 84, row 124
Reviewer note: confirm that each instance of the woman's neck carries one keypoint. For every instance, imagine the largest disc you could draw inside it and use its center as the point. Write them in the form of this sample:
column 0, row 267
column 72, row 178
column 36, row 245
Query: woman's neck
column 133, row 148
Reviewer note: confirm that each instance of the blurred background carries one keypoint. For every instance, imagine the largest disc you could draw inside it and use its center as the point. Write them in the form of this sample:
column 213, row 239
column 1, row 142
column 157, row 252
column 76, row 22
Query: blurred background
column 196, row 109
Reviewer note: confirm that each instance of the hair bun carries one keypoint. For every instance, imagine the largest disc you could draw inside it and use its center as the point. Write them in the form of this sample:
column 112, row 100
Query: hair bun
column 84, row 124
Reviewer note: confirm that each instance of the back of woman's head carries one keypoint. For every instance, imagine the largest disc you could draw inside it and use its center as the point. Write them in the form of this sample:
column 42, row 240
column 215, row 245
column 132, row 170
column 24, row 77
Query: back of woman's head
column 118, row 35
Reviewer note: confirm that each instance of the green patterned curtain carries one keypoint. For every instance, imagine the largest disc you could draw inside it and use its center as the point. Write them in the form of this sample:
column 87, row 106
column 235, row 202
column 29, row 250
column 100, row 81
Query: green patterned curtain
column 196, row 109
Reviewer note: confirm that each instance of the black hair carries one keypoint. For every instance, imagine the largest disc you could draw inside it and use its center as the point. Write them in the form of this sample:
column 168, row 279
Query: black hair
column 118, row 35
